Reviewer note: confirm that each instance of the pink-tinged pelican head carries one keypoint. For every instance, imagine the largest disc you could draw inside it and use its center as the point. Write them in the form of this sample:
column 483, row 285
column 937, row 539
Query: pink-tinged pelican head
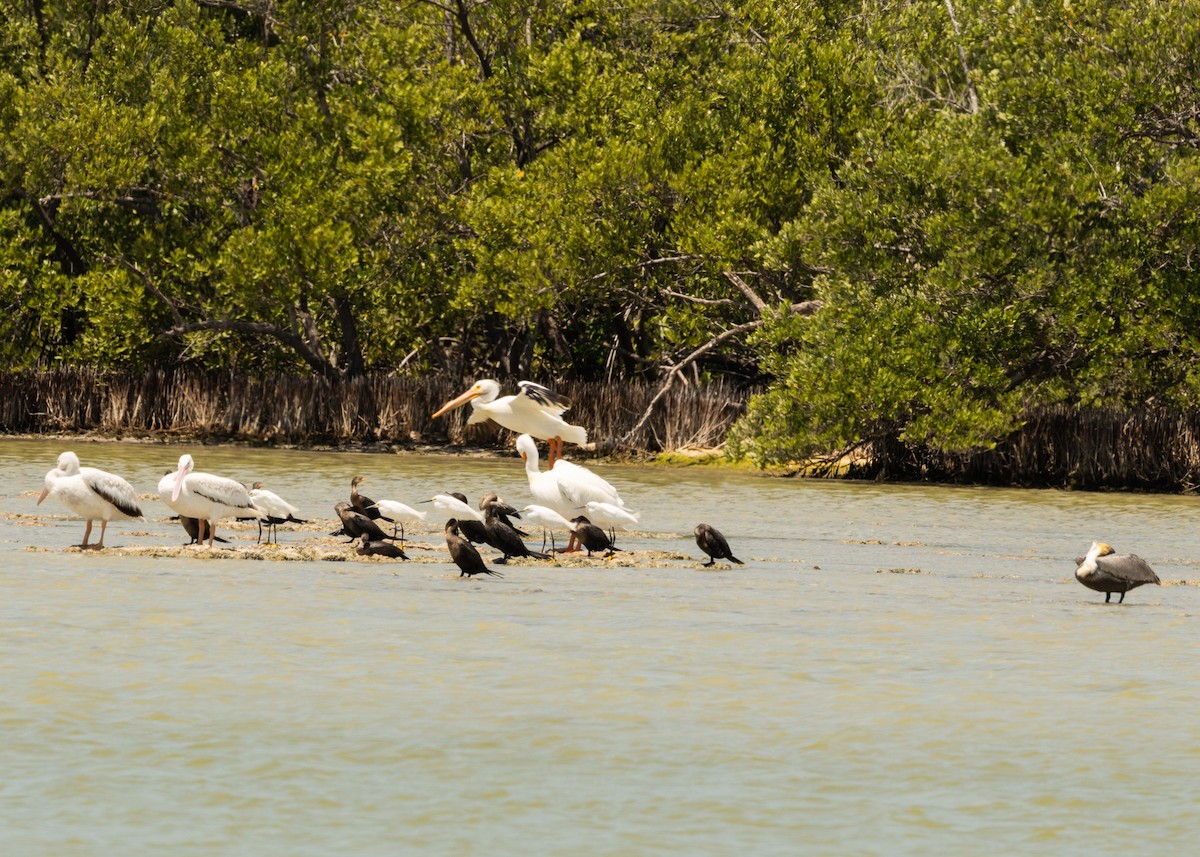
column 185, row 467
column 68, row 465
column 486, row 391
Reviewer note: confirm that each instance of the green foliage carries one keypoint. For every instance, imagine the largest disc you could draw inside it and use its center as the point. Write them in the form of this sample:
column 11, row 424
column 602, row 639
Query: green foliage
column 996, row 209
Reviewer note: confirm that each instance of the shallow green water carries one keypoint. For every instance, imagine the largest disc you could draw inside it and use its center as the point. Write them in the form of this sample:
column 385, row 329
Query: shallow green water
column 806, row 703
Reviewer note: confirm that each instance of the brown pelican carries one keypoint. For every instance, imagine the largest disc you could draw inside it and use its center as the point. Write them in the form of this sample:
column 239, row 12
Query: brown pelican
column 468, row 560
column 369, row 547
column 592, row 537
column 205, row 496
column 1106, row 571
column 535, row 411
column 503, row 536
column 711, row 541
column 91, row 494
column 276, row 509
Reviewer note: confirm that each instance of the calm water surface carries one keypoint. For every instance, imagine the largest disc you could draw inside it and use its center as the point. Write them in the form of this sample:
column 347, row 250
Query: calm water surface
column 814, row 701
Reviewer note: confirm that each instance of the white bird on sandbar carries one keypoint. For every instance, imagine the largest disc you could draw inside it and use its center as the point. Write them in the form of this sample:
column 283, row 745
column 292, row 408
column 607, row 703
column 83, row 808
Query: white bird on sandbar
column 548, row 519
column 91, row 494
column 205, row 496
column 609, row 515
column 399, row 514
column 535, row 411
column 455, row 508
column 567, row 487
column 275, row 509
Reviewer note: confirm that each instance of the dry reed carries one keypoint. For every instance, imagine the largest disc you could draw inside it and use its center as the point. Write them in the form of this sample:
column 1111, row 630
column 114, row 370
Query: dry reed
column 303, row 410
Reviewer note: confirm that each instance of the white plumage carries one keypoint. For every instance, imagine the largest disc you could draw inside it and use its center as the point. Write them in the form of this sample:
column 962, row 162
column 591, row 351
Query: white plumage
column 536, row 411
column 195, row 494
column 91, row 494
column 455, row 508
column 609, row 515
column 546, row 518
column 275, row 510
column 400, row 513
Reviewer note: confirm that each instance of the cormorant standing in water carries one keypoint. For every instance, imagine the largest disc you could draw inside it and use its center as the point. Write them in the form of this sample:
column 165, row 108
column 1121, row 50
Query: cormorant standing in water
column 711, row 541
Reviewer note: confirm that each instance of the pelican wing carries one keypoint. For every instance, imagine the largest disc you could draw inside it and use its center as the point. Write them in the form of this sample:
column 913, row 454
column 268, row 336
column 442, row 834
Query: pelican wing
column 543, row 398
column 579, row 485
column 1127, row 568
column 113, row 489
column 218, row 489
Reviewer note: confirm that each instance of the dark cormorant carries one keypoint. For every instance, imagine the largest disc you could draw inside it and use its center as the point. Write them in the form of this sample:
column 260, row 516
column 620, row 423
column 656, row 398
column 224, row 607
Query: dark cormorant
column 711, row 541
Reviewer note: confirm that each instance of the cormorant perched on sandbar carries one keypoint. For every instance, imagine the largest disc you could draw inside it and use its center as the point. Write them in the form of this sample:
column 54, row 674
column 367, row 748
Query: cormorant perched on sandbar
column 368, row 547
column 592, row 537
column 355, row 524
column 711, row 541
column 503, row 536
column 363, row 504
column 1106, row 571
column 468, row 560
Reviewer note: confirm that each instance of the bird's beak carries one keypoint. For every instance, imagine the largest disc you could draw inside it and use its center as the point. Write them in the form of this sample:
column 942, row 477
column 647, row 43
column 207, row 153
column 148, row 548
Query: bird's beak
column 45, row 493
column 179, row 477
column 457, row 403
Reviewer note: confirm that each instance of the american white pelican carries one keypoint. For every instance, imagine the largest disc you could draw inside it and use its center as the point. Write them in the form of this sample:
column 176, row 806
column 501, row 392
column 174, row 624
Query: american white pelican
column 1106, row 571
column 573, row 486
column 592, row 537
column 275, row 508
column 400, row 514
column 711, row 541
column 91, row 494
column 548, row 519
column 535, row 411
column 468, row 560
column 202, row 495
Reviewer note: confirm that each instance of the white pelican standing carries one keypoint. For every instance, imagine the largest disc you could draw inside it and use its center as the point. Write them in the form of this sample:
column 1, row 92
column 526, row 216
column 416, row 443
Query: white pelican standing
column 91, row 494
column 566, row 488
column 205, row 496
column 1106, row 571
column 535, row 411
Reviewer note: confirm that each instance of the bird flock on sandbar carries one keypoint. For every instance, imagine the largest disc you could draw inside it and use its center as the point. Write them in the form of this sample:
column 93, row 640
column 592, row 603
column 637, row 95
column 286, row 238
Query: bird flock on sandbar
column 568, row 499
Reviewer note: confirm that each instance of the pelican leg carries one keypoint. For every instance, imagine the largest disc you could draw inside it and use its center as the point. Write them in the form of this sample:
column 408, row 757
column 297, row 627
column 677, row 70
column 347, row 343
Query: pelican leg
column 100, row 544
column 87, row 534
column 212, row 532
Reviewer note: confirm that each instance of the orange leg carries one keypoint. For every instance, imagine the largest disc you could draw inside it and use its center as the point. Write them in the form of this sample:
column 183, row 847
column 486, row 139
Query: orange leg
column 87, row 534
